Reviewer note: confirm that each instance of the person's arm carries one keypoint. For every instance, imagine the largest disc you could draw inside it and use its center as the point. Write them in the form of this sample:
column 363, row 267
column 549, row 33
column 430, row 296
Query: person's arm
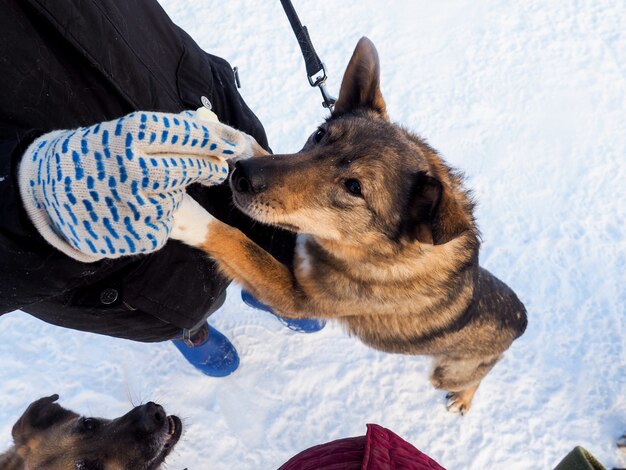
column 30, row 268
column 70, row 199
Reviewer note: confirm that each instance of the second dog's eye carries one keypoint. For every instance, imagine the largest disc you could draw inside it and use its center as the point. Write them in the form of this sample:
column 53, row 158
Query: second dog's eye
column 353, row 186
column 319, row 134
column 89, row 424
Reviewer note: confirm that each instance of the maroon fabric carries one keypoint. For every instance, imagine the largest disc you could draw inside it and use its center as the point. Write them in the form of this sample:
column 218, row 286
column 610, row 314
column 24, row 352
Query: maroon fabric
column 380, row 449
column 342, row 454
column 386, row 450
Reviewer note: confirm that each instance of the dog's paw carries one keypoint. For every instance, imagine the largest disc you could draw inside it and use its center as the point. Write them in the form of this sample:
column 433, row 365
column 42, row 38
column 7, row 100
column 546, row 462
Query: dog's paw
column 192, row 222
column 459, row 402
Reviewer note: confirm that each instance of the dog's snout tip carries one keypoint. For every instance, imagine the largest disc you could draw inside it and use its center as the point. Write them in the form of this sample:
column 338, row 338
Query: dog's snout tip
column 240, row 182
column 246, row 182
column 152, row 417
column 159, row 415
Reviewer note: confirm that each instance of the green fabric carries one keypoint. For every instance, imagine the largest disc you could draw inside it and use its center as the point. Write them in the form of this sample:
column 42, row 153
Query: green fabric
column 579, row 459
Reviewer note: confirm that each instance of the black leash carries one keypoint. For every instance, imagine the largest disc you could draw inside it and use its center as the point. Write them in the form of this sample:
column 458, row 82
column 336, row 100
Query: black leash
column 315, row 70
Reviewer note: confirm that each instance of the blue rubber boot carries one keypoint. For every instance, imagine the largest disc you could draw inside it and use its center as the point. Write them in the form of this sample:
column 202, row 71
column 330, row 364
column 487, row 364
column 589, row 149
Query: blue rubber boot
column 211, row 353
column 305, row 325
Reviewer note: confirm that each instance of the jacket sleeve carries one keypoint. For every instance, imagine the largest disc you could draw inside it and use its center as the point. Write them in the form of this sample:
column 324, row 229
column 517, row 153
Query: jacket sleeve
column 31, row 270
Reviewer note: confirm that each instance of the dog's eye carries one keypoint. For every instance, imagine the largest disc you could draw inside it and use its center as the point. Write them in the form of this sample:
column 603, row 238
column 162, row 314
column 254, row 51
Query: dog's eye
column 353, row 186
column 89, row 424
column 319, row 134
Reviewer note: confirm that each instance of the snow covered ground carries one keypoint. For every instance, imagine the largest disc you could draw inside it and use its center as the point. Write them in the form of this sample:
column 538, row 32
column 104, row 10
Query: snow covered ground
column 529, row 98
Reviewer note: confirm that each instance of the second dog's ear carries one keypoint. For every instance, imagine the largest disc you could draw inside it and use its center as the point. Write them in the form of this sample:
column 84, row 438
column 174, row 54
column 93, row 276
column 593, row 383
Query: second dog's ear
column 360, row 87
column 40, row 415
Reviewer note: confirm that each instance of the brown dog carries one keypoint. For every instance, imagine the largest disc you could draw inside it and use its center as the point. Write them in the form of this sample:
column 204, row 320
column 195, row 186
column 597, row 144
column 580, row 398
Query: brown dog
column 50, row 437
column 387, row 244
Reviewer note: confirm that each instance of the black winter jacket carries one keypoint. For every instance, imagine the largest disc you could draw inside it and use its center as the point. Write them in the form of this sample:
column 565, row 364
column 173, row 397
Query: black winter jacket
column 71, row 63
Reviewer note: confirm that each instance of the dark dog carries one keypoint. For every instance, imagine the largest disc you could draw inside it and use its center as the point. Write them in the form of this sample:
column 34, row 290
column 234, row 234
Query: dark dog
column 50, row 437
column 387, row 243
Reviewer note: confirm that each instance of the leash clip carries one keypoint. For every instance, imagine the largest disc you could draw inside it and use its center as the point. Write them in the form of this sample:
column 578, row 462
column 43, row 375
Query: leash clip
column 319, row 80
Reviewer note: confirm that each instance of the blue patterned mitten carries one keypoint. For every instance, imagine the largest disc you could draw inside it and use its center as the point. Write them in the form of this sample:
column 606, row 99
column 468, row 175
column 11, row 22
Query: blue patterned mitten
column 110, row 190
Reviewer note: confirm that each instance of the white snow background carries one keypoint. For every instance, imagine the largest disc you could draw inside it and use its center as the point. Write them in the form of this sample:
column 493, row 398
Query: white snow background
column 529, row 99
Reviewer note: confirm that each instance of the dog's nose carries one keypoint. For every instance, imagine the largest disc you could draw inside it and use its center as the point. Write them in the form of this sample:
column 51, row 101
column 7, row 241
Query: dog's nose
column 246, row 180
column 152, row 417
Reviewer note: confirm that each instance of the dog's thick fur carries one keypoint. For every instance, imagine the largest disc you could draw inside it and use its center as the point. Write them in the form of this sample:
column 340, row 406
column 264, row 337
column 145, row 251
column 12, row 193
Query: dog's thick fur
column 49, row 437
column 387, row 243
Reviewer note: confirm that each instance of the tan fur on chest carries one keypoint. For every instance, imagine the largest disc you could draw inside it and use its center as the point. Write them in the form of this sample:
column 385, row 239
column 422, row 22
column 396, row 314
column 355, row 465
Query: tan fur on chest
column 398, row 295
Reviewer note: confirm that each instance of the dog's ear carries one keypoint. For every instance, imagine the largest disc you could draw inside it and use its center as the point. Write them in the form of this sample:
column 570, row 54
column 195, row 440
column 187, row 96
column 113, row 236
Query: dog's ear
column 40, row 415
column 360, row 87
column 432, row 214
column 420, row 215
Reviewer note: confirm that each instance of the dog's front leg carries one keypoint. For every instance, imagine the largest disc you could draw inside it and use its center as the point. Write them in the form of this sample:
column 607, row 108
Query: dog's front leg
column 240, row 259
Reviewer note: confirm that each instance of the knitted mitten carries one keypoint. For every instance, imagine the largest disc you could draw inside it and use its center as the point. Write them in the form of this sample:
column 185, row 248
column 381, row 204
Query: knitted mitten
column 110, row 190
